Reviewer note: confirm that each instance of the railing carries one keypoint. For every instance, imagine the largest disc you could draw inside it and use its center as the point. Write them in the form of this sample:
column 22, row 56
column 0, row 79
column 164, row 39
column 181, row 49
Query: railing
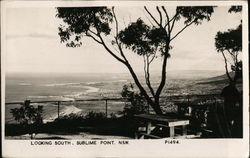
column 58, row 102
column 174, row 98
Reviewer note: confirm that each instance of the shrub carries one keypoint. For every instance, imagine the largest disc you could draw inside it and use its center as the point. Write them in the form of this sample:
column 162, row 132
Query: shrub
column 71, row 119
column 137, row 103
column 95, row 118
column 28, row 116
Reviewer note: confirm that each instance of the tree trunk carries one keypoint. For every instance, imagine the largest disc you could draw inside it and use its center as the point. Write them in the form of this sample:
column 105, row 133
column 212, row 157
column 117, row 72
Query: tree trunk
column 154, row 105
column 163, row 76
column 163, row 80
column 225, row 60
column 157, row 106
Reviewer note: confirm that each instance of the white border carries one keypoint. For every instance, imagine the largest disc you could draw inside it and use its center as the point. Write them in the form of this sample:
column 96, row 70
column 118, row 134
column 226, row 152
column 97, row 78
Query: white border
column 136, row 148
column 40, row 4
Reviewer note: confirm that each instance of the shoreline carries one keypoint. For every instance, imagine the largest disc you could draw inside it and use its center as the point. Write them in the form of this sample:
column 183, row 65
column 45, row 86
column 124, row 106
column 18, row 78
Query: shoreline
column 67, row 110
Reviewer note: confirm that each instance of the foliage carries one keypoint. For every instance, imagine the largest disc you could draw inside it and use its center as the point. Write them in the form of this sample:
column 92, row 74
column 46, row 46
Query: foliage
column 235, row 9
column 230, row 42
column 75, row 120
column 137, row 103
column 28, row 114
column 95, row 117
column 195, row 14
column 29, row 117
column 142, row 39
column 70, row 120
column 81, row 20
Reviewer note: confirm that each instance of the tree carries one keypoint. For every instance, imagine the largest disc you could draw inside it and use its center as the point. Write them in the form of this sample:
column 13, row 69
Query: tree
column 142, row 39
column 137, row 103
column 230, row 42
column 28, row 116
column 235, row 9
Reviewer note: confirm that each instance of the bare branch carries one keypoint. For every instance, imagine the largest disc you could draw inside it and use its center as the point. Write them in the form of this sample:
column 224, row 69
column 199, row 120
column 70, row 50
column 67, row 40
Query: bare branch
column 233, row 56
column 89, row 35
column 152, row 16
column 116, row 37
column 168, row 21
column 152, row 57
column 147, row 74
column 116, row 22
column 93, row 32
column 173, row 18
column 147, row 18
column 110, row 52
column 114, row 47
column 157, row 8
column 127, row 64
column 182, row 30
column 172, row 26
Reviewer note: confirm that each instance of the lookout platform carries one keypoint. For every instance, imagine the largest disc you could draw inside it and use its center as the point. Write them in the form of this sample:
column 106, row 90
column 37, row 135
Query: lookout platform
column 157, row 126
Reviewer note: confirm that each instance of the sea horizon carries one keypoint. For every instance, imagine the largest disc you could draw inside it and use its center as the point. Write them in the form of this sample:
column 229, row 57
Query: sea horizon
column 20, row 86
column 76, row 86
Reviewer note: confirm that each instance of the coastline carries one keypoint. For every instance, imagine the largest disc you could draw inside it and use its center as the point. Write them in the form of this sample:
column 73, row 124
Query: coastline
column 66, row 110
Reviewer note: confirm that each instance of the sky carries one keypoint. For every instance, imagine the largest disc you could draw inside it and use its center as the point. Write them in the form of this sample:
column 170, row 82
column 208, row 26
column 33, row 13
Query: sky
column 32, row 44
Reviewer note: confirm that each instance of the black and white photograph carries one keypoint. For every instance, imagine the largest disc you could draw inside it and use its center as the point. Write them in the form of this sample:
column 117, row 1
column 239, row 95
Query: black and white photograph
column 97, row 73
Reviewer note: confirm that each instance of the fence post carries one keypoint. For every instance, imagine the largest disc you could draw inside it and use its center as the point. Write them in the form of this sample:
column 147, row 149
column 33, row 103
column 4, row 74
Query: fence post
column 58, row 109
column 106, row 107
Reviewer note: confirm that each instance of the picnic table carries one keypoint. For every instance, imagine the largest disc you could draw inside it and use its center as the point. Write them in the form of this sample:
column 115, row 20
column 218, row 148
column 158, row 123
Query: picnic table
column 189, row 109
column 155, row 122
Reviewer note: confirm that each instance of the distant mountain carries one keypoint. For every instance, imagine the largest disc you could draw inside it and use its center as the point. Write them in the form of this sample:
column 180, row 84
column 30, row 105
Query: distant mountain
column 193, row 74
column 221, row 79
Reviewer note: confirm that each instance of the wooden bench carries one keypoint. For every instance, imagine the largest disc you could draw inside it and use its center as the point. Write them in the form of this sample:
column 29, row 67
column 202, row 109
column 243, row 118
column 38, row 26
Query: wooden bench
column 143, row 135
column 158, row 121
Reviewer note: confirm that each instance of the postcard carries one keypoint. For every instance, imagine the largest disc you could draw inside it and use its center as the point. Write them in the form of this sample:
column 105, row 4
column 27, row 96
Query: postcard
column 124, row 79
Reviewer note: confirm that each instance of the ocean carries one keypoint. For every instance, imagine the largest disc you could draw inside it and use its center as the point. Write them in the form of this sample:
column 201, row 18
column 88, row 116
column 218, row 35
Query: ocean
column 75, row 86
column 58, row 86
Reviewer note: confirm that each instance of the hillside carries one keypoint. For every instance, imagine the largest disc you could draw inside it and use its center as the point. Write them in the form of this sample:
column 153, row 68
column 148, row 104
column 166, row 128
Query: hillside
column 221, row 80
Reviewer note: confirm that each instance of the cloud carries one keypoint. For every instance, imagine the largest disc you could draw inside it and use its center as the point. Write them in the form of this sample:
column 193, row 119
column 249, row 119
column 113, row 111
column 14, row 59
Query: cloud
column 31, row 35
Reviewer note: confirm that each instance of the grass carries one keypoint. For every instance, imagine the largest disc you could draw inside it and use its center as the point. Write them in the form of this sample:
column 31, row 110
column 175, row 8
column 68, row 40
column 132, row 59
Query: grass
column 95, row 123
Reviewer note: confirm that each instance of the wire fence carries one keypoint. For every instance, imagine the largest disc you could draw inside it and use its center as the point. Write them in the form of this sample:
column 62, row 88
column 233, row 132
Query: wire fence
column 108, row 106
